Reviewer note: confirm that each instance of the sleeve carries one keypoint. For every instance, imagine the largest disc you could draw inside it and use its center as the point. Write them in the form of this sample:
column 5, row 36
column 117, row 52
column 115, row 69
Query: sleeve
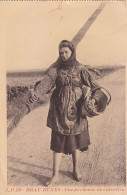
column 47, row 83
column 43, row 87
column 88, row 80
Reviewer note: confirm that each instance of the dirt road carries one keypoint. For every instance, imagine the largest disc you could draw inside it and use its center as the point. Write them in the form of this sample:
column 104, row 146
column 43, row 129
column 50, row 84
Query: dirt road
column 30, row 159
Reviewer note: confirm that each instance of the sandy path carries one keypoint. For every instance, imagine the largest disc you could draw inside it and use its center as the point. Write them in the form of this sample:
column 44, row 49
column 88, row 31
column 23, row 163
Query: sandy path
column 30, row 159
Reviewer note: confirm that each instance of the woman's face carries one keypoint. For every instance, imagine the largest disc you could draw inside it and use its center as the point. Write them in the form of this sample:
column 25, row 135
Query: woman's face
column 65, row 53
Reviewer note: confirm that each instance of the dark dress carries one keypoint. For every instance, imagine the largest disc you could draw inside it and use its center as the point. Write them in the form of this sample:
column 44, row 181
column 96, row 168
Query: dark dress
column 67, row 144
column 69, row 127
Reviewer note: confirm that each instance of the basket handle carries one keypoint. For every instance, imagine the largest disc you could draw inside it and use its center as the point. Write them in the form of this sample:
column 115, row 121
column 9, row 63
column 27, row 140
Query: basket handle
column 109, row 100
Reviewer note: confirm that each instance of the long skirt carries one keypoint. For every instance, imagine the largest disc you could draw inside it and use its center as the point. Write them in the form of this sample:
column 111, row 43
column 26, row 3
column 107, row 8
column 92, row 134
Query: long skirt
column 67, row 144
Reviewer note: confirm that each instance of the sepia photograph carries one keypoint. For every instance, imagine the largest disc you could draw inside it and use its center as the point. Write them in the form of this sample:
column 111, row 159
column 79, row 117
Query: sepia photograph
column 65, row 65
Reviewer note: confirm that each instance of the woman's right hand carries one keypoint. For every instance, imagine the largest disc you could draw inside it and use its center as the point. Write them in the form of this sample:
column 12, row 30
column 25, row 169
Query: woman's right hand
column 32, row 97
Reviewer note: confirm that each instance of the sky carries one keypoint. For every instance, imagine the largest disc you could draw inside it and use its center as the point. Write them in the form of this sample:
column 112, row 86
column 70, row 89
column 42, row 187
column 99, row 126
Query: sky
column 31, row 32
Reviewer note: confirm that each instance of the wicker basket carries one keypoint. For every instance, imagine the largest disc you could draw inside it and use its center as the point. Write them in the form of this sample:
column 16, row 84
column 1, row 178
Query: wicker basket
column 95, row 102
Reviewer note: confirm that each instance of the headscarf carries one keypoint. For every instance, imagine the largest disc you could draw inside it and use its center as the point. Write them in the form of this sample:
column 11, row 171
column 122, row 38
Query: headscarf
column 72, row 60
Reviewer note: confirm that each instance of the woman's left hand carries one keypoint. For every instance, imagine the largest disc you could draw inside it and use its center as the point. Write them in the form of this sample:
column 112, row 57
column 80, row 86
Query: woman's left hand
column 86, row 91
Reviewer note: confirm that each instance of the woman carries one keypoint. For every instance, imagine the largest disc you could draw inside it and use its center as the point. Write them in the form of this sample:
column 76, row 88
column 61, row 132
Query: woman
column 69, row 127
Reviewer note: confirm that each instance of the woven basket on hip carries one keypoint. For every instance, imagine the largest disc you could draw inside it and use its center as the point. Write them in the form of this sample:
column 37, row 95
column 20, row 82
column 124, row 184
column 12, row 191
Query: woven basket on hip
column 95, row 102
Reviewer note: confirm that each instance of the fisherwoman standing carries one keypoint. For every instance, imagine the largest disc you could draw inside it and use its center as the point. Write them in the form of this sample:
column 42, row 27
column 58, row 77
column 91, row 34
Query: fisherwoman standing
column 69, row 127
